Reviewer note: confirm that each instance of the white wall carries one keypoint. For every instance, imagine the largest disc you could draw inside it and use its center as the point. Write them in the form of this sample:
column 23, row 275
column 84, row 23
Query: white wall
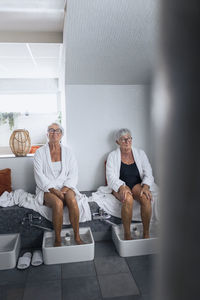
column 21, row 172
column 24, row 85
column 93, row 113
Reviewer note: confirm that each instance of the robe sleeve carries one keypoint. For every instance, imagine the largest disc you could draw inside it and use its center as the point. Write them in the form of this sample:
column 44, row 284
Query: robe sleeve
column 147, row 170
column 111, row 174
column 43, row 182
column 72, row 172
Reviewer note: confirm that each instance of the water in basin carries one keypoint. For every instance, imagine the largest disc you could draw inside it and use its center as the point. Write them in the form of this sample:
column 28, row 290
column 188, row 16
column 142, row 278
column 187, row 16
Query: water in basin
column 137, row 231
column 69, row 250
column 9, row 250
column 7, row 243
column 86, row 238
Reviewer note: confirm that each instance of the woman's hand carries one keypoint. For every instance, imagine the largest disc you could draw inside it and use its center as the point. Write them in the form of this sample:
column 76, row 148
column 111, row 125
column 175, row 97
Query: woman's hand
column 58, row 193
column 65, row 189
column 123, row 191
column 145, row 190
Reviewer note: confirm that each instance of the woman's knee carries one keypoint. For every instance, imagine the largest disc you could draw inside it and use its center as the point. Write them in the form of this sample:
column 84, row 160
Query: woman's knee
column 70, row 200
column 57, row 204
column 129, row 200
column 144, row 201
column 70, row 194
column 53, row 202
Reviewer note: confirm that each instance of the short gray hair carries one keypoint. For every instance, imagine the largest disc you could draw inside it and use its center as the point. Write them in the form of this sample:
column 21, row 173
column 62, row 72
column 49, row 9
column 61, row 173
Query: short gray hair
column 61, row 128
column 121, row 132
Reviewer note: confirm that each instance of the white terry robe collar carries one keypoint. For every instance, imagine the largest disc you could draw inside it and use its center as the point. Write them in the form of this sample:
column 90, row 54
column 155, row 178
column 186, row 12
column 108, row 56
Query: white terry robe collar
column 136, row 159
column 48, row 157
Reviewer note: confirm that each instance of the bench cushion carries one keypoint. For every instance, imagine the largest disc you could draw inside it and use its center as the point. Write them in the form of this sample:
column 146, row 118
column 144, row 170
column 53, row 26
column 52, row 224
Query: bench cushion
column 5, row 181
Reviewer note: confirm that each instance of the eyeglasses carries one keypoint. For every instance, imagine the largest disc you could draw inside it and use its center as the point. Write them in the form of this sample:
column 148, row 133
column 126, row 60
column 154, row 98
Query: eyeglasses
column 52, row 130
column 124, row 140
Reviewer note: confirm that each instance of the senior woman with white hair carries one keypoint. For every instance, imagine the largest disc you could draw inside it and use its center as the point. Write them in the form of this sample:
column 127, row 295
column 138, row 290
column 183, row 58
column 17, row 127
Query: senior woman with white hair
column 56, row 176
column 129, row 175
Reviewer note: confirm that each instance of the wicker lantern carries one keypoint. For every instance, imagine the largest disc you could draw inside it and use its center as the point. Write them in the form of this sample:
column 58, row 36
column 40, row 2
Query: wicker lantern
column 20, row 142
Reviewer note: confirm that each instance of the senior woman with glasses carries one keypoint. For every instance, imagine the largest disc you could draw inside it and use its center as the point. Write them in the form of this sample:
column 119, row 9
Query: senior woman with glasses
column 129, row 175
column 56, row 176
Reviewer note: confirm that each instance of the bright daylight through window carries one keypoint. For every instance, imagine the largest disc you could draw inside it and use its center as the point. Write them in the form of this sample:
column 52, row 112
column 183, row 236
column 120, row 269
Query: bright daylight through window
column 33, row 112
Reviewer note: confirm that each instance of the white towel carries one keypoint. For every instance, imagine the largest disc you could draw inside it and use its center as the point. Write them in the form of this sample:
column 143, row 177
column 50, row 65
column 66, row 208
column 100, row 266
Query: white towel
column 27, row 200
column 112, row 206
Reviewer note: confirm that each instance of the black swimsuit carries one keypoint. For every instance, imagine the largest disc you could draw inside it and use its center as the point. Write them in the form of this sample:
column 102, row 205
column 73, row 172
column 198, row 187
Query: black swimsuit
column 130, row 174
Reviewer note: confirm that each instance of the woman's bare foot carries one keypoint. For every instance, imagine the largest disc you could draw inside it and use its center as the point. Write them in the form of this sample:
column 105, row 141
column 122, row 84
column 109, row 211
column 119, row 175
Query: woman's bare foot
column 79, row 242
column 127, row 236
column 146, row 236
column 57, row 243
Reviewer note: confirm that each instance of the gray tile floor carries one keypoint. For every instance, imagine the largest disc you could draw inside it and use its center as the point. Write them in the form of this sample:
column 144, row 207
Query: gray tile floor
column 109, row 276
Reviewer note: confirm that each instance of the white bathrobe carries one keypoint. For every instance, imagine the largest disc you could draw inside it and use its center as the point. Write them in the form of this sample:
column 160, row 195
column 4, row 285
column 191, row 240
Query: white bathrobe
column 44, row 175
column 113, row 166
column 104, row 198
column 45, row 179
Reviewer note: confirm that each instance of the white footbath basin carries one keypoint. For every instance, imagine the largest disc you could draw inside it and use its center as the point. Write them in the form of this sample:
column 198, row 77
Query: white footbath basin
column 137, row 246
column 71, row 252
column 9, row 250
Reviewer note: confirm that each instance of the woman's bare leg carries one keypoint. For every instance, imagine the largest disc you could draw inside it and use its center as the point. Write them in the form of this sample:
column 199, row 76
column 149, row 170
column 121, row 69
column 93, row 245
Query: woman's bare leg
column 126, row 213
column 145, row 208
column 56, row 204
column 72, row 206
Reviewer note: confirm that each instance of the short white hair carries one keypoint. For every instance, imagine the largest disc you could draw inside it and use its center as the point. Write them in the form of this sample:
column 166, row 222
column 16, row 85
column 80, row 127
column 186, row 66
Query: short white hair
column 121, row 132
column 60, row 127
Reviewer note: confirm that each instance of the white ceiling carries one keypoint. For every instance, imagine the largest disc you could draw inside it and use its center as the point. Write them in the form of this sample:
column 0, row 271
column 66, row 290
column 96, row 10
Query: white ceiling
column 110, row 41
column 23, row 21
column 30, row 60
column 32, row 15
column 106, row 41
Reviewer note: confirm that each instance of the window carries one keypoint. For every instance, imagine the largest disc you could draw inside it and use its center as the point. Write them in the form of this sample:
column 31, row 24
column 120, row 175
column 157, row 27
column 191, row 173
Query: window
column 33, row 112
